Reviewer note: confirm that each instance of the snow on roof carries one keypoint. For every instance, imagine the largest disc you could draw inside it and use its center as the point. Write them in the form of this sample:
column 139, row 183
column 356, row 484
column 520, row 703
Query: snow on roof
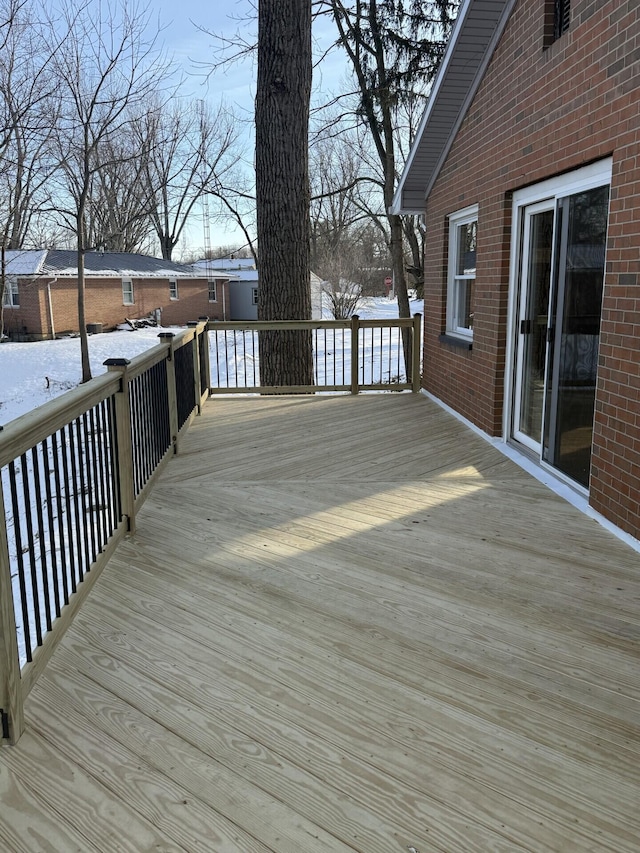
column 227, row 264
column 246, row 275
column 63, row 262
column 24, row 261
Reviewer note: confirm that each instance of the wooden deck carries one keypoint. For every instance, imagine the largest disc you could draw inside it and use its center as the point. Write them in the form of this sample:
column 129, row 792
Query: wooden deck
column 343, row 624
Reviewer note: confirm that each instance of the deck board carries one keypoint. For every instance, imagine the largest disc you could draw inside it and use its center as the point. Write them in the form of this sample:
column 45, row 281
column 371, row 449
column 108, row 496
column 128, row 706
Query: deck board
column 342, row 624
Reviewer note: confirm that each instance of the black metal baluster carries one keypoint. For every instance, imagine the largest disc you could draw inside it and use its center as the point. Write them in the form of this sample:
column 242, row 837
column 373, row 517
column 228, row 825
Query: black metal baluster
column 82, row 542
column 254, row 360
column 115, row 464
column 20, row 560
column 90, row 491
column 216, row 384
column 70, row 570
column 26, row 494
column 135, row 433
column 48, row 455
column 235, row 356
column 101, row 482
column 44, row 573
column 97, row 486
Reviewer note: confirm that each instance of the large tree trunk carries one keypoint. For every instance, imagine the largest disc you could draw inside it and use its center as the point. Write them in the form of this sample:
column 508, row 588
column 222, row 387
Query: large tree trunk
column 82, row 320
column 282, row 187
column 166, row 247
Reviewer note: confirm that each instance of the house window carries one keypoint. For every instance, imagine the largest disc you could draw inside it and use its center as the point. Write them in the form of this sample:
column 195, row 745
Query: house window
column 127, row 291
column 254, row 295
column 173, row 288
column 557, row 20
column 212, row 291
column 463, row 237
column 561, row 17
column 10, row 295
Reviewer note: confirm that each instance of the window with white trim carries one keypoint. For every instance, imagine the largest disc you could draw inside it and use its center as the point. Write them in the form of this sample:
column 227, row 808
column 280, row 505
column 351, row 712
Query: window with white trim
column 173, row 288
column 254, row 295
column 10, row 296
column 213, row 297
column 463, row 238
column 127, row 291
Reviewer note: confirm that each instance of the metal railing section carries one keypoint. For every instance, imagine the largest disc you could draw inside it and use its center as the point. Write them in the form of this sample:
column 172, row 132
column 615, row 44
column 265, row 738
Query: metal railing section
column 186, row 393
column 73, row 474
column 150, row 427
column 63, row 501
column 348, row 355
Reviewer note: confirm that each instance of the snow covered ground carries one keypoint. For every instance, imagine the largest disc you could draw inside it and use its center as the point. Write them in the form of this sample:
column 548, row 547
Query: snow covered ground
column 33, row 373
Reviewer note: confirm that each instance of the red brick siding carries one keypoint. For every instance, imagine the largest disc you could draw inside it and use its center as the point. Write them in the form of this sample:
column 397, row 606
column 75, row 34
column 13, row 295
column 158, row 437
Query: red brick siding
column 103, row 304
column 540, row 112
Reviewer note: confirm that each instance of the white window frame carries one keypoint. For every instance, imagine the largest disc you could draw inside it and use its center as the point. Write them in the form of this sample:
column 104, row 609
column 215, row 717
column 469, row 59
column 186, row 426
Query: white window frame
column 254, row 295
column 455, row 280
column 128, row 297
column 173, row 289
column 588, row 177
column 10, row 297
column 213, row 283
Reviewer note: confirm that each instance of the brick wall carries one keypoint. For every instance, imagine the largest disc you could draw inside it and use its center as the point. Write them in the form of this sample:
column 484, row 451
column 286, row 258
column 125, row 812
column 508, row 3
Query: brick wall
column 540, row 112
column 104, row 304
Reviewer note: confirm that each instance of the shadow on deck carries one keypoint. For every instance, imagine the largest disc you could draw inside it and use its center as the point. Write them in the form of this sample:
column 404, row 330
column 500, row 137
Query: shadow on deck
column 343, row 623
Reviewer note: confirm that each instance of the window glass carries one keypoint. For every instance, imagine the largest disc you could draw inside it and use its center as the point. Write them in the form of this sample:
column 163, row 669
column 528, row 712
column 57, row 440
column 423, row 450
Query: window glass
column 127, row 291
column 463, row 239
column 10, row 296
column 467, row 235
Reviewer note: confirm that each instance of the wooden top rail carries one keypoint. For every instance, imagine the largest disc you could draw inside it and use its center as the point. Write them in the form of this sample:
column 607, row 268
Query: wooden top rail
column 288, row 325
column 25, row 432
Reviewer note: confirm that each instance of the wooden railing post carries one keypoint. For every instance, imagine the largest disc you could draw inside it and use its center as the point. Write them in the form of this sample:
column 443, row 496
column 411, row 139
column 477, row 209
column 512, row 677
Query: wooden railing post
column 205, row 364
column 415, row 353
column 11, row 698
column 355, row 328
column 167, row 338
column 194, row 324
column 125, row 442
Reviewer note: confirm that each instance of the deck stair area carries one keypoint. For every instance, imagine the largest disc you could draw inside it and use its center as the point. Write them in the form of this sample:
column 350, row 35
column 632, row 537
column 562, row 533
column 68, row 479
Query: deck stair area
column 343, row 623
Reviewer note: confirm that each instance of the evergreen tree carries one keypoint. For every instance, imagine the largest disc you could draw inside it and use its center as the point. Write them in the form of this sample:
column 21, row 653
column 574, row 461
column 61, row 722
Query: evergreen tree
column 394, row 48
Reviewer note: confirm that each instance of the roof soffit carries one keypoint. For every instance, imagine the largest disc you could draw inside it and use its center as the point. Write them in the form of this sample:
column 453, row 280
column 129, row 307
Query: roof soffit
column 477, row 30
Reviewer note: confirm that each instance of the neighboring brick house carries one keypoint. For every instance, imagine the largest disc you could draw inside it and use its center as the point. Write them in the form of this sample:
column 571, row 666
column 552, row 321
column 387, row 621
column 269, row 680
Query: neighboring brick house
column 41, row 298
column 527, row 163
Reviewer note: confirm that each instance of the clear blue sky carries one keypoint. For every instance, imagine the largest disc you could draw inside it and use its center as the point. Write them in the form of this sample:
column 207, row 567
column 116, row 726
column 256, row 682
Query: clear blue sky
column 183, row 23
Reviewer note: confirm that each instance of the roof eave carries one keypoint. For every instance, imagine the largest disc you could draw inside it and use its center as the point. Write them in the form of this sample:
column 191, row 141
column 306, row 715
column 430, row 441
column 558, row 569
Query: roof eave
column 411, row 195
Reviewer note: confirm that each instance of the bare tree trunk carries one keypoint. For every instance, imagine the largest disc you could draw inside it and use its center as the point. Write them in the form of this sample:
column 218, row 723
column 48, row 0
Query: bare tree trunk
column 3, row 286
column 282, row 187
column 400, row 282
column 82, row 321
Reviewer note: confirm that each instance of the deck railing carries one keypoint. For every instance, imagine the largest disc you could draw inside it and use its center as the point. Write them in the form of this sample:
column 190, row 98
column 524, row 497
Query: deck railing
column 74, row 473
column 349, row 355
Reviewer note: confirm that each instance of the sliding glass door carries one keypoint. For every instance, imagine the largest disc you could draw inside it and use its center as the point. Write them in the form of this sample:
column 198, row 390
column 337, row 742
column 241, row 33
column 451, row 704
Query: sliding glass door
column 561, row 274
column 533, row 320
